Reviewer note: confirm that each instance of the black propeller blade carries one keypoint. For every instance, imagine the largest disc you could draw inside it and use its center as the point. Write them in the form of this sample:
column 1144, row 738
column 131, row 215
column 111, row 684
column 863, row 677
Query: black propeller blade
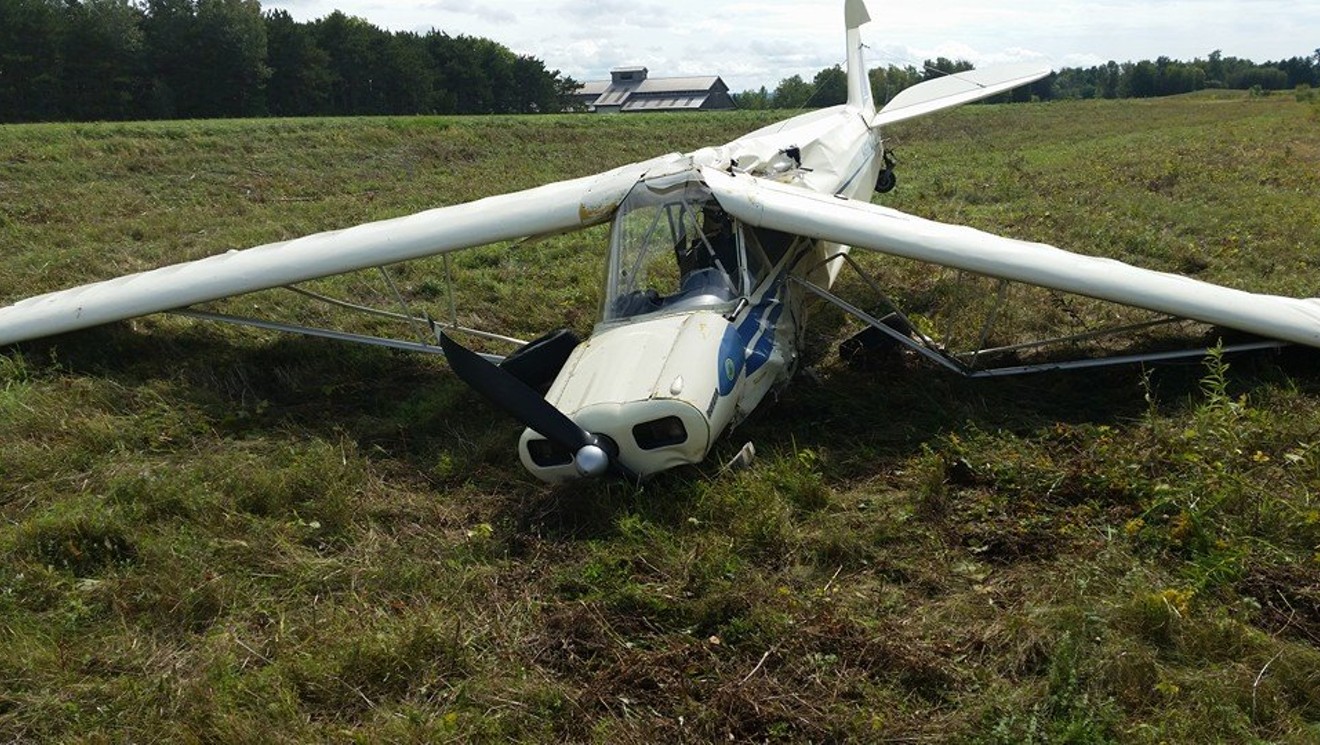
column 592, row 455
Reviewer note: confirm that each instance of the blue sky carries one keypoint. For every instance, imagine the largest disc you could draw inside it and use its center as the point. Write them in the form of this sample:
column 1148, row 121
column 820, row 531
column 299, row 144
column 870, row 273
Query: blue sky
column 754, row 43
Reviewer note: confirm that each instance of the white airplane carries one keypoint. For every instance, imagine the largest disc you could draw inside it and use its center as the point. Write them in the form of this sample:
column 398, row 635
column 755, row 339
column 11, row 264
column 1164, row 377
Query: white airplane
column 712, row 257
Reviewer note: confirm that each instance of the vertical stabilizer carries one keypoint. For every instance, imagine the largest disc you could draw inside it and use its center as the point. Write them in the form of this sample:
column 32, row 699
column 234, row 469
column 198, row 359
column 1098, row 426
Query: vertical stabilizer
column 859, row 84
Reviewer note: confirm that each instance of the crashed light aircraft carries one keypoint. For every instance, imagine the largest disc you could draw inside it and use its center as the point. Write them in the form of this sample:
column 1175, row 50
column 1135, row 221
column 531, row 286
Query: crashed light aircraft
column 712, row 257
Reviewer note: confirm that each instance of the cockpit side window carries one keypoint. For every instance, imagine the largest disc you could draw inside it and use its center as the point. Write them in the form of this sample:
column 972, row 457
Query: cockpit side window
column 765, row 250
column 671, row 248
column 774, row 243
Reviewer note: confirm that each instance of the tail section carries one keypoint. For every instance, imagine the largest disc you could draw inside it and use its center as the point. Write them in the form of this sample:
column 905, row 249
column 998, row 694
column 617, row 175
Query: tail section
column 859, row 84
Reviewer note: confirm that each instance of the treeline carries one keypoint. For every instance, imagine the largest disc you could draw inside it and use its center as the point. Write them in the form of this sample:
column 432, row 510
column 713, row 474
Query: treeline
column 80, row 60
column 1162, row 77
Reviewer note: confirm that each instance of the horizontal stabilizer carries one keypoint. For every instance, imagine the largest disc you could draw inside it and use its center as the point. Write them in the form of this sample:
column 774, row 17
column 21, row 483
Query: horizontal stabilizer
column 864, row 225
column 957, row 89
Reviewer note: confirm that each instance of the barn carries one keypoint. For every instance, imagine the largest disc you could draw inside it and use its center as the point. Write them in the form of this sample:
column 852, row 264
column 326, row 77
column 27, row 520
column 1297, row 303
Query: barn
column 630, row 89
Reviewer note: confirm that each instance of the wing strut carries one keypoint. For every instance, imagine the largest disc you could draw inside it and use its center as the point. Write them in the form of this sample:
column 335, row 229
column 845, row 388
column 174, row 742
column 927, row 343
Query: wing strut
column 926, row 347
column 451, row 326
column 374, row 341
column 430, row 329
column 425, row 323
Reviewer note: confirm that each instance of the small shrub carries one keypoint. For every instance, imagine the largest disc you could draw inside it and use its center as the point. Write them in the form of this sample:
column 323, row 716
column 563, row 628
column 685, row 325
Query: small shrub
column 758, row 517
column 13, row 370
column 1156, row 617
column 932, row 499
column 83, row 545
column 799, row 480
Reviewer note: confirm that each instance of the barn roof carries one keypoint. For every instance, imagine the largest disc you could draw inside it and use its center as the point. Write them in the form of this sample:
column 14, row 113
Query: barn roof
column 678, row 85
column 630, row 89
column 593, row 87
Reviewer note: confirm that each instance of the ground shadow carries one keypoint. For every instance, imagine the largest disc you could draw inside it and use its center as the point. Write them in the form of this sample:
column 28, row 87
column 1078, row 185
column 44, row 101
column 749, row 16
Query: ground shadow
column 407, row 408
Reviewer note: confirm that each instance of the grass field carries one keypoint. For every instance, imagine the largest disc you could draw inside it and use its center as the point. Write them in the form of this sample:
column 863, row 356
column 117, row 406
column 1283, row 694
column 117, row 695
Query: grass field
column 215, row 534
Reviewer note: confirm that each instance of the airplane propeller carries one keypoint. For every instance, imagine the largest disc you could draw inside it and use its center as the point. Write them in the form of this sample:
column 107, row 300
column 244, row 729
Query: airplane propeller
column 593, row 455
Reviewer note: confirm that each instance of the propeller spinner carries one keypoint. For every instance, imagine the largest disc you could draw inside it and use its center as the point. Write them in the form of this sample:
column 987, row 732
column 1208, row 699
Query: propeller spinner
column 592, row 455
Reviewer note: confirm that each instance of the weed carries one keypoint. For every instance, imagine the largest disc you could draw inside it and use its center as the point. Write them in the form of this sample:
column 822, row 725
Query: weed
column 82, row 544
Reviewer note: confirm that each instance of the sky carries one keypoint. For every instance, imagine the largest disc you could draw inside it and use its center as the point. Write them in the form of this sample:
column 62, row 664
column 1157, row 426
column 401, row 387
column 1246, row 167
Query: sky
column 754, row 43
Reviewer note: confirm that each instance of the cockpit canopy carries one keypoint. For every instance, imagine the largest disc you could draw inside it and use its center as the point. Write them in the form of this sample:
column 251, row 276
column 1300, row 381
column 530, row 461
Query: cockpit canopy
column 672, row 248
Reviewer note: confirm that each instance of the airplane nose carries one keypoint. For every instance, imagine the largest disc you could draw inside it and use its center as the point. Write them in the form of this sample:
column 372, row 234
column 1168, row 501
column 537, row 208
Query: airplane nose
column 591, row 460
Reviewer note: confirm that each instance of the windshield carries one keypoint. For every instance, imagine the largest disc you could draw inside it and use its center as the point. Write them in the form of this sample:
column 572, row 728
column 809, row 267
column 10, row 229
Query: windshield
column 671, row 248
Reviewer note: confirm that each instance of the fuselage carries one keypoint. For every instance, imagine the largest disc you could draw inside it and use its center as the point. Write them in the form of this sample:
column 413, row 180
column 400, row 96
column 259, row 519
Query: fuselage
column 702, row 317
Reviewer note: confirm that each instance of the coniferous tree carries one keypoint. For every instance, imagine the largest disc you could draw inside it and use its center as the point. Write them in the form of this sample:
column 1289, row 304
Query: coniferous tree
column 170, row 34
column 31, row 59
column 104, row 67
column 299, row 83
column 405, row 73
column 230, row 58
column 348, row 42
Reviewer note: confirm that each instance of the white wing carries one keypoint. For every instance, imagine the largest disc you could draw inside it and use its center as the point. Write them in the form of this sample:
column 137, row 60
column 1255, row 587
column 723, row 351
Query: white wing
column 956, row 89
column 863, row 225
column 566, row 205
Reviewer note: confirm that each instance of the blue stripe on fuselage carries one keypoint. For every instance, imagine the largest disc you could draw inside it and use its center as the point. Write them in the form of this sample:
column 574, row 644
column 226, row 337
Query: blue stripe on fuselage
column 761, row 320
column 761, row 353
column 752, row 323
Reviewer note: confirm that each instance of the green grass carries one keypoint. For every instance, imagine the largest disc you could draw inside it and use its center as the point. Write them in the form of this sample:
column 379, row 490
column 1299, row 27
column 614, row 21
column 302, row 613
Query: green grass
column 213, row 534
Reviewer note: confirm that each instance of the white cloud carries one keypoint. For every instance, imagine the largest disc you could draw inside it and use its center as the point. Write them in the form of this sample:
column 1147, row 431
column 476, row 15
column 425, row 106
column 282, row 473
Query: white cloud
column 483, row 11
column 759, row 42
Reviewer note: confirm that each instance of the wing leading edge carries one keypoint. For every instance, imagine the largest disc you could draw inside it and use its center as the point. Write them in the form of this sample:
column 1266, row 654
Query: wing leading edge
column 553, row 208
column 863, row 225
column 954, row 90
